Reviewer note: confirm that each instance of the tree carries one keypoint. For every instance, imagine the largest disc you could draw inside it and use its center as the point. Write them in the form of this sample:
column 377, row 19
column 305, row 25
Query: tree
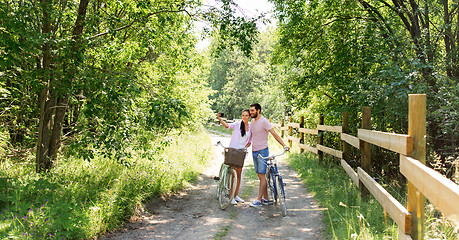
column 238, row 80
column 351, row 54
column 87, row 63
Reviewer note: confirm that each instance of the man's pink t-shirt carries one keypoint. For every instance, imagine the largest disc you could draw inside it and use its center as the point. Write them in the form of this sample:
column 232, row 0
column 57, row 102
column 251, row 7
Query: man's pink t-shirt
column 260, row 132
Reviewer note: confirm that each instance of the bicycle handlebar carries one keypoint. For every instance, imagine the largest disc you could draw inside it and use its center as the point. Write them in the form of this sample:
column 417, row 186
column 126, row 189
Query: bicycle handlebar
column 220, row 143
column 273, row 156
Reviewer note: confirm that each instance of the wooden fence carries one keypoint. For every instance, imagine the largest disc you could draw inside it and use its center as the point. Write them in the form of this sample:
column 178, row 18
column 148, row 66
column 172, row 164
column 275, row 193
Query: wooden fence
column 422, row 180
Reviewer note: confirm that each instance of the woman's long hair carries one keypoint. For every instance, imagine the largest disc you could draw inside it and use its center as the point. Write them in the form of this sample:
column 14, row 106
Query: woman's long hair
column 242, row 123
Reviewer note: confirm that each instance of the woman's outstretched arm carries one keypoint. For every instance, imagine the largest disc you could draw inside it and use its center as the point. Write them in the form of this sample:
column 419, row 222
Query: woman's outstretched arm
column 219, row 116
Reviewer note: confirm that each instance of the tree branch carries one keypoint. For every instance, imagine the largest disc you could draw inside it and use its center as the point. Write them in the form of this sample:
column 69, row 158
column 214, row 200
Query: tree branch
column 373, row 11
column 400, row 5
column 136, row 20
column 326, row 94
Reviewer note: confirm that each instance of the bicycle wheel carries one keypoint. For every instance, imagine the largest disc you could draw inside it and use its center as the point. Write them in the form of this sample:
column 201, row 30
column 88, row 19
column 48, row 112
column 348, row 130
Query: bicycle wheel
column 281, row 195
column 220, row 176
column 228, row 188
column 271, row 184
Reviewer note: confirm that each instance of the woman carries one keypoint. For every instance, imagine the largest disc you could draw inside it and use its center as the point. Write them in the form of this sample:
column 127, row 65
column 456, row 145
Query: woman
column 240, row 139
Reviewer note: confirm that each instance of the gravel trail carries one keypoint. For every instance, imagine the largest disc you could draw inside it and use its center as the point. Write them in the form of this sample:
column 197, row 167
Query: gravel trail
column 194, row 214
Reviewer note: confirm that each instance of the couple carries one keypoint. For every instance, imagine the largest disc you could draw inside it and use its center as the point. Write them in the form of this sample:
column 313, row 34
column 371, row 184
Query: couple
column 256, row 134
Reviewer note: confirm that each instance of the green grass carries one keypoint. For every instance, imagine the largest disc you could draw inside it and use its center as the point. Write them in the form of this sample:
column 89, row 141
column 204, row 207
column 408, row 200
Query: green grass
column 80, row 200
column 250, row 174
column 347, row 217
column 249, row 182
column 222, row 232
column 219, row 128
column 438, row 227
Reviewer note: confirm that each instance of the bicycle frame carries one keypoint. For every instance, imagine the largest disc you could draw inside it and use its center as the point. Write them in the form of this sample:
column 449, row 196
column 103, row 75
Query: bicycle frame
column 272, row 172
column 275, row 182
column 225, row 185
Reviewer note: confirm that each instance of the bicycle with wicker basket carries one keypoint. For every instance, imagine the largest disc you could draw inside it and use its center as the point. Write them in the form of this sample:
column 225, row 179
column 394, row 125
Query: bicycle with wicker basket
column 227, row 178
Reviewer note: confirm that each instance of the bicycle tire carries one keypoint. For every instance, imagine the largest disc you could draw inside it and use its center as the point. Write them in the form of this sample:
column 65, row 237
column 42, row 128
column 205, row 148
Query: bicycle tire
column 281, row 195
column 271, row 182
column 220, row 175
column 227, row 190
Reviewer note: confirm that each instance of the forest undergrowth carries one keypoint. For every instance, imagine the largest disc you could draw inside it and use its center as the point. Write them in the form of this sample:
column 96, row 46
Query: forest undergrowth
column 80, row 199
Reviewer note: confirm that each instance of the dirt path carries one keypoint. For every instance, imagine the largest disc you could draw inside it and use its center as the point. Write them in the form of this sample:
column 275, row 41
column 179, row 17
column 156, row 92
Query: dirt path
column 194, row 214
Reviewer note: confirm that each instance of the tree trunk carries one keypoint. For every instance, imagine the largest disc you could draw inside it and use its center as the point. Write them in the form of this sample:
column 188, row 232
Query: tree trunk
column 53, row 107
column 56, row 134
column 454, row 52
column 42, row 160
column 448, row 38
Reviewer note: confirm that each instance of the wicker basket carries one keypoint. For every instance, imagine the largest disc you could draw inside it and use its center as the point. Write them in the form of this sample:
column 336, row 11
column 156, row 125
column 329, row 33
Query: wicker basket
column 234, row 157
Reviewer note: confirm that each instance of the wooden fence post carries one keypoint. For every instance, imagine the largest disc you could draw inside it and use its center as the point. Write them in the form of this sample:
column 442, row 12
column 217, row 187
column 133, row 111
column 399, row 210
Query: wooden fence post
column 282, row 125
column 365, row 151
column 290, row 132
column 417, row 129
column 456, row 163
column 320, row 154
column 346, row 146
column 301, row 133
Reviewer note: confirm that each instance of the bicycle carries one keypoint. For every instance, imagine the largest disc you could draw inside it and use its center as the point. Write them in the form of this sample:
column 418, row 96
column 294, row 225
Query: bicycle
column 226, row 183
column 275, row 184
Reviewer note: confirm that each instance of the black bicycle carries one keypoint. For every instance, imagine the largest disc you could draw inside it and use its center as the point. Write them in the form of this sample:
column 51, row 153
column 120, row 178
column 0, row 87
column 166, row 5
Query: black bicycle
column 275, row 183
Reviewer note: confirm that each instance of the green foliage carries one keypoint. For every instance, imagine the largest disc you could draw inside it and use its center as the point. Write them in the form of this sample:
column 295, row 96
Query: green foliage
column 327, row 53
column 239, row 81
column 231, row 30
column 118, row 67
column 341, row 56
column 80, row 199
column 167, row 114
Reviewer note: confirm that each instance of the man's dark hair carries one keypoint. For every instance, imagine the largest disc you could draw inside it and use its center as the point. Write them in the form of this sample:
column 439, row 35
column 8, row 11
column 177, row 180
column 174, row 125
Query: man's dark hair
column 257, row 106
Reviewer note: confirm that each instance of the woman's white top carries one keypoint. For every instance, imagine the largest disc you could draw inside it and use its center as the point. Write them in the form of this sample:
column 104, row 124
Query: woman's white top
column 243, row 140
column 238, row 141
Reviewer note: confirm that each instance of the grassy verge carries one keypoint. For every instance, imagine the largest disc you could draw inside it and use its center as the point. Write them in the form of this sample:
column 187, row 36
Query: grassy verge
column 80, row 200
column 348, row 217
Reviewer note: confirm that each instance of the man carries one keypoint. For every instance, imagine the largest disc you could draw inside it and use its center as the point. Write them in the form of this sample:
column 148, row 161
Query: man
column 260, row 132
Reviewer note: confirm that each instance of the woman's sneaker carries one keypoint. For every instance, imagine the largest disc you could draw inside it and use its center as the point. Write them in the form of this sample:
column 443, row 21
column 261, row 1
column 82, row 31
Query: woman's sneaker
column 238, row 199
column 256, row 203
column 233, row 202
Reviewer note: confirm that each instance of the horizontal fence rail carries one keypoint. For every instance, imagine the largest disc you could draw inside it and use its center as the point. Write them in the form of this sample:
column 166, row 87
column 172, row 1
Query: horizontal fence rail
column 424, row 181
column 354, row 141
column 308, row 148
column 398, row 143
column 338, row 129
column 331, row 151
column 434, row 186
column 309, row 131
column 396, row 210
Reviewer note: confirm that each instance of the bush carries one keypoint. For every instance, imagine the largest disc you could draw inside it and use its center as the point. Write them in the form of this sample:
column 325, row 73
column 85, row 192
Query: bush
column 81, row 199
